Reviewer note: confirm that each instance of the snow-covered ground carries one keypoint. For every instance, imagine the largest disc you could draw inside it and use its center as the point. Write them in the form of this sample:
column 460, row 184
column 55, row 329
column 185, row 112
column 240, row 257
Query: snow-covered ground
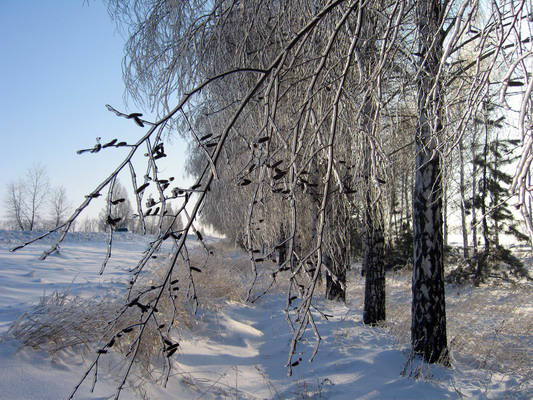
column 232, row 351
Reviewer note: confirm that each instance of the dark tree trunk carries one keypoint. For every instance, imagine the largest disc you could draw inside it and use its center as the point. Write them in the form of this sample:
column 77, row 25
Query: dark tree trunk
column 428, row 329
column 408, row 197
column 462, row 186
column 337, row 254
column 444, row 209
column 335, row 286
column 495, row 197
column 281, row 247
column 476, row 256
column 473, row 222
column 374, row 308
column 374, row 240
column 481, row 257
column 485, row 178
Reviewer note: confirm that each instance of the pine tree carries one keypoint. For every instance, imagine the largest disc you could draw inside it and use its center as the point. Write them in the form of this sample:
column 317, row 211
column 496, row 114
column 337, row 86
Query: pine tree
column 489, row 201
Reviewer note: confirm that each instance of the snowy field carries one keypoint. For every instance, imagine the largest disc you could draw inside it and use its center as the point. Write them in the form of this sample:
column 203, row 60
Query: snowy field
column 235, row 350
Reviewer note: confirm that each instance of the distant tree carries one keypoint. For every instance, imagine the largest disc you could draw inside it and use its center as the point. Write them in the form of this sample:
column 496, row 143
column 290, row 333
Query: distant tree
column 88, row 225
column 14, row 205
column 488, row 205
column 59, row 205
column 118, row 214
column 492, row 160
column 26, row 198
column 169, row 221
column 159, row 220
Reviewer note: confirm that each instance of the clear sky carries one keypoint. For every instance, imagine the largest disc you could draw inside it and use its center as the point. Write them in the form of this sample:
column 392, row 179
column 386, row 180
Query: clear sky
column 60, row 63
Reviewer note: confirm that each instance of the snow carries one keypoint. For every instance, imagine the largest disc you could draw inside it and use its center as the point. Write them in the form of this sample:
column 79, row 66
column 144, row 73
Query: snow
column 235, row 351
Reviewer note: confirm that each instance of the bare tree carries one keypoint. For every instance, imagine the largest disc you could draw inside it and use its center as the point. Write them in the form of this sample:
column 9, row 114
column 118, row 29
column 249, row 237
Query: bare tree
column 14, row 205
column 27, row 197
column 88, row 224
column 59, row 205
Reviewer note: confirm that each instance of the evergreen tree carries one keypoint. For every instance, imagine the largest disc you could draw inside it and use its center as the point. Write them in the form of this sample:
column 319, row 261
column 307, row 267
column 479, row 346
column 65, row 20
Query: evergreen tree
column 488, row 204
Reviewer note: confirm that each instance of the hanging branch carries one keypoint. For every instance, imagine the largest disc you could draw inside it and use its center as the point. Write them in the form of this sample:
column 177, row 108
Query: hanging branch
column 110, row 222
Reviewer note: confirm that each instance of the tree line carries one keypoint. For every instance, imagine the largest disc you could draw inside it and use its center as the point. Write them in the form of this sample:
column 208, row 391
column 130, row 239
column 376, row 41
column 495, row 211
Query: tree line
column 32, row 203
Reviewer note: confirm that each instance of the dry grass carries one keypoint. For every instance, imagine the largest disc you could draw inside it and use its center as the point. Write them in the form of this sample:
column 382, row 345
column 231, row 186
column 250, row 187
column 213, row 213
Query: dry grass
column 224, row 277
column 398, row 307
column 489, row 327
column 492, row 328
column 63, row 320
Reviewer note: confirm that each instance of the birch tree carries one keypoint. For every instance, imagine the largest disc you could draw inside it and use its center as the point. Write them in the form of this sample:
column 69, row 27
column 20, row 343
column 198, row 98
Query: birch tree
column 59, row 205
column 26, row 198
column 428, row 328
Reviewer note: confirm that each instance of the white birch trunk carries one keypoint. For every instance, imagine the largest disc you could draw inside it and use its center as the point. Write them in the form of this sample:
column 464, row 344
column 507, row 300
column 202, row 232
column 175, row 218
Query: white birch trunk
column 428, row 329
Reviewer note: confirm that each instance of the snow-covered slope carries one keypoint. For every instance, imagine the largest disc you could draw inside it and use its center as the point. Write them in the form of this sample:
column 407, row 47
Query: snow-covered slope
column 234, row 351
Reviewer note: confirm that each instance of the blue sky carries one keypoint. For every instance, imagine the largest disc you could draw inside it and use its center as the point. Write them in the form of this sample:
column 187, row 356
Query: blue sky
column 60, row 63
